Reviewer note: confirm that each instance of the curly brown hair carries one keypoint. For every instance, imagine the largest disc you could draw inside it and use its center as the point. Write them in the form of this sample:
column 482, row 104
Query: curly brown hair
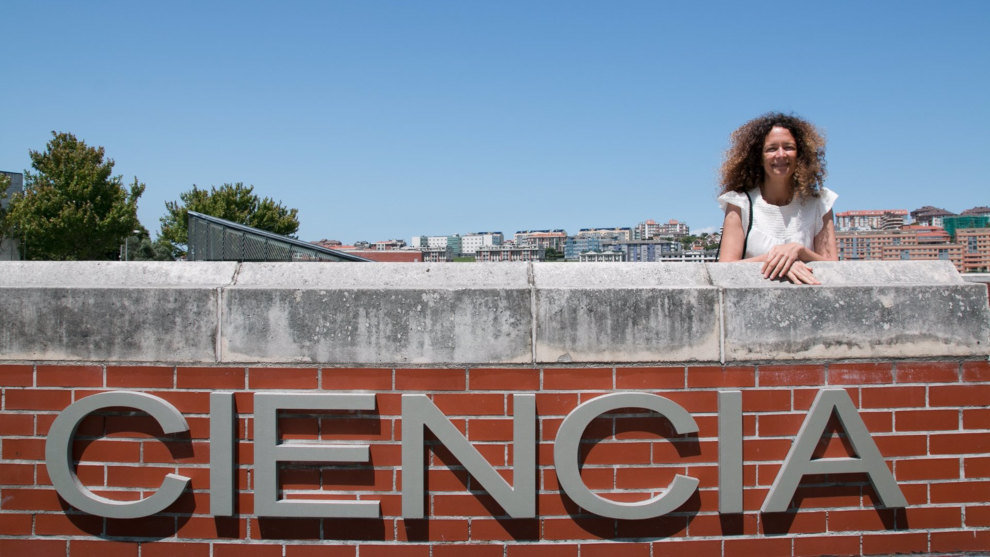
column 742, row 169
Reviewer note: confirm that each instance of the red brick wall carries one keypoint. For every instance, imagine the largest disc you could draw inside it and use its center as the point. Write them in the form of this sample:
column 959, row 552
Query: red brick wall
column 930, row 420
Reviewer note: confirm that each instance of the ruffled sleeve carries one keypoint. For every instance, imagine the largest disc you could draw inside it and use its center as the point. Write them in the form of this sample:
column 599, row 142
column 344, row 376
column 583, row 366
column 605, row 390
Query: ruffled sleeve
column 826, row 199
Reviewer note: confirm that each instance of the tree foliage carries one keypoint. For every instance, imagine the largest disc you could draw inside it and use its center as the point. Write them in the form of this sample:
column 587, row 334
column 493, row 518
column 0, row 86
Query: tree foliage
column 72, row 207
column 234, row 202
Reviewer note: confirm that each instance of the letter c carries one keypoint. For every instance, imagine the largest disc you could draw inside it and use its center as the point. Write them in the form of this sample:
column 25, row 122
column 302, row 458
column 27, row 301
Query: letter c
column 58, row 455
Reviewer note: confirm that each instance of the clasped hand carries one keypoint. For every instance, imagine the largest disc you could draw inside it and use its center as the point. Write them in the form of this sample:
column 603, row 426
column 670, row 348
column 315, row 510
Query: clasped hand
column 784, row 261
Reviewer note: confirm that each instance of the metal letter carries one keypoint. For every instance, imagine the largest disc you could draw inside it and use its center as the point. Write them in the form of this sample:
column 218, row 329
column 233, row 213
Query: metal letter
column 58, row 455
column 730, row 465
column 419, row 412
column 565, row 456
column 268, row 452
column 222, row 471
column 799, row 462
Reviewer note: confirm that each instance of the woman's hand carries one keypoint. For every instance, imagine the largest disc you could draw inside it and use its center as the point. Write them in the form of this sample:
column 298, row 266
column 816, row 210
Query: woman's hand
column 801, row 274
column 780, row 259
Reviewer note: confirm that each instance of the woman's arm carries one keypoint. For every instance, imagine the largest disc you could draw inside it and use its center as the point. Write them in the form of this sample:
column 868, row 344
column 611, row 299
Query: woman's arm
column 733, row 237
column 780, row 258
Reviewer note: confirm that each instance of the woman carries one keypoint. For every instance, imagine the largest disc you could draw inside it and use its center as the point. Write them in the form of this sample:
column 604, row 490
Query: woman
column 776, row 208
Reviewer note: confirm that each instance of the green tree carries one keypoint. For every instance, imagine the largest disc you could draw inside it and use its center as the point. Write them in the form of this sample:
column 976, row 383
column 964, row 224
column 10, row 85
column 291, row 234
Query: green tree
column 4, row 226
column 234, row 202
column 72, row 207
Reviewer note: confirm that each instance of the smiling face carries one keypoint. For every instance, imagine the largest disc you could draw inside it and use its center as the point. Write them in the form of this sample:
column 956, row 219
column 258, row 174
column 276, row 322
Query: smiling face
column 779, row 153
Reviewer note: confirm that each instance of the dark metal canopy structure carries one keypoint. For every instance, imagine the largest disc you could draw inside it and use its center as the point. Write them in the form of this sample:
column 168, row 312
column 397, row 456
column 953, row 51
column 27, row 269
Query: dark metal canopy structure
column 216, row 239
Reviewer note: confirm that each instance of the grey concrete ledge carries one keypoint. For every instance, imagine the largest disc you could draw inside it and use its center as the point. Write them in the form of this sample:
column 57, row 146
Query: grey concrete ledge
column 386, row 314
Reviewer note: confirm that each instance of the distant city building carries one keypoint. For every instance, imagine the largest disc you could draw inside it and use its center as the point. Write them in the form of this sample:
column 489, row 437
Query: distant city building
column 651, row 230
column 976, row 251
column 8, row 246
column 471, row 243
column 930, row 216
column 891, row 221
column 542, row 239
column 437, row 255
column 390, row 245
column 602, row 257
column 969, row 252
column 623, row 234
column 575, row 246
column 976, row 212
column 449, row 243
column 510, row 252
column 648, row 250
column 867, row 220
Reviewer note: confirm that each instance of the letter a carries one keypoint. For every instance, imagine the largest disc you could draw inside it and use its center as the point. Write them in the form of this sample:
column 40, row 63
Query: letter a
column 799, row 462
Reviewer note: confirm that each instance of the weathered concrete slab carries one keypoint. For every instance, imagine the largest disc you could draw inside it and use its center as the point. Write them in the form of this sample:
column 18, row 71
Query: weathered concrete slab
column 374, row 313
column 861, row 310
column 641, row 312
column 110, row 310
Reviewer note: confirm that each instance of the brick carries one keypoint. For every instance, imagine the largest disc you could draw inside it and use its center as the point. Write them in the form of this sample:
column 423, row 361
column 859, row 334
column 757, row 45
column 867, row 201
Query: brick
column 766, row 400
column 803, row 522
column 978, row 516
column 542, row 549
column 650, row 378
column 209, row 527
column 976, row 467
column 16, row 424
column 555, row 404
column 282, row 378
column 164, row 548
column 578, row 528
column 606, row 452
column 363, row 379
column 611, row 549
column 16, row 474
column 978, row 418
column 37, row 399
column 246, row 550
column 927, row 469
column 105, row 450
column 580, row 379
column 24, row 449
column 321, row 550
column 209, row 377
column 15, row 524
column 927, row 372
column 431, row 379
column 433, row 530
column 959, row 395
column 785, row 375
column 368, row 550
column 902, row 445
column 755, row 450
column 976, row 371
column 476, row 550
column 102, row 548
column 708, row 525
column 16, row 376
column 149, row 377
column 698, row 401
column 651, row 477
column 858, row 374
column 779, row 425
column 892, row 397
column 70, row 376
column 860, row 519
column 960, row 541
column 488, row 529
column 471, row 404
column 694, row 548
column 887, row 544
column 926, row 420
column 296, row 528
column 190, row 402
column 721, row 376
column 960, row 492
column 488, row 379
column 960, row 443
column 930, row 518
column 33, row 547
column 757, row 547
column 826, row 545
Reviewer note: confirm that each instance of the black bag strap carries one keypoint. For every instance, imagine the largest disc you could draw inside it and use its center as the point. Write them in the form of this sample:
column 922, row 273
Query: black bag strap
column 745, row 238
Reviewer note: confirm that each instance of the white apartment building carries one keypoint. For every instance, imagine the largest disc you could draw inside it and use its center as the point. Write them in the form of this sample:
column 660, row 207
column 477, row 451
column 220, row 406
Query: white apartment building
column 471, row 243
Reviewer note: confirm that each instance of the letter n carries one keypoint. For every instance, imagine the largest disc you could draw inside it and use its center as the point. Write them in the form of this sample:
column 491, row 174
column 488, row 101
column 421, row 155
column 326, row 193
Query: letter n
column 799, row 462
column 419, row 412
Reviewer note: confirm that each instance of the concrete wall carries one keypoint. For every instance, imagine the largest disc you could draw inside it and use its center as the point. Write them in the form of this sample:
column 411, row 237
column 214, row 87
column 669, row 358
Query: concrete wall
column 908, row 342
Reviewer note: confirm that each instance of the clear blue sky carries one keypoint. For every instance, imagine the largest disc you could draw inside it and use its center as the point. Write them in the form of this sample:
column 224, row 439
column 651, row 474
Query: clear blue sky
column 388, row 119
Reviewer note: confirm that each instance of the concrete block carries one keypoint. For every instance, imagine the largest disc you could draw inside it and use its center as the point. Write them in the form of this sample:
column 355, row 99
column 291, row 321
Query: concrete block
column 861, row 310
column 110, row 311
column 637, row 312
column 377, row 313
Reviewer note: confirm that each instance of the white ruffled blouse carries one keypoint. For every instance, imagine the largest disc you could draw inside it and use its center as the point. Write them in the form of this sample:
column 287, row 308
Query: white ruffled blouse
column 798, row 221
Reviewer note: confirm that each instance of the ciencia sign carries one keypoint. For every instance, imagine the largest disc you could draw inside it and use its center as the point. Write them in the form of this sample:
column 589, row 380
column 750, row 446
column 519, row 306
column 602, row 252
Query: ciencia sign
column 419, row 413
